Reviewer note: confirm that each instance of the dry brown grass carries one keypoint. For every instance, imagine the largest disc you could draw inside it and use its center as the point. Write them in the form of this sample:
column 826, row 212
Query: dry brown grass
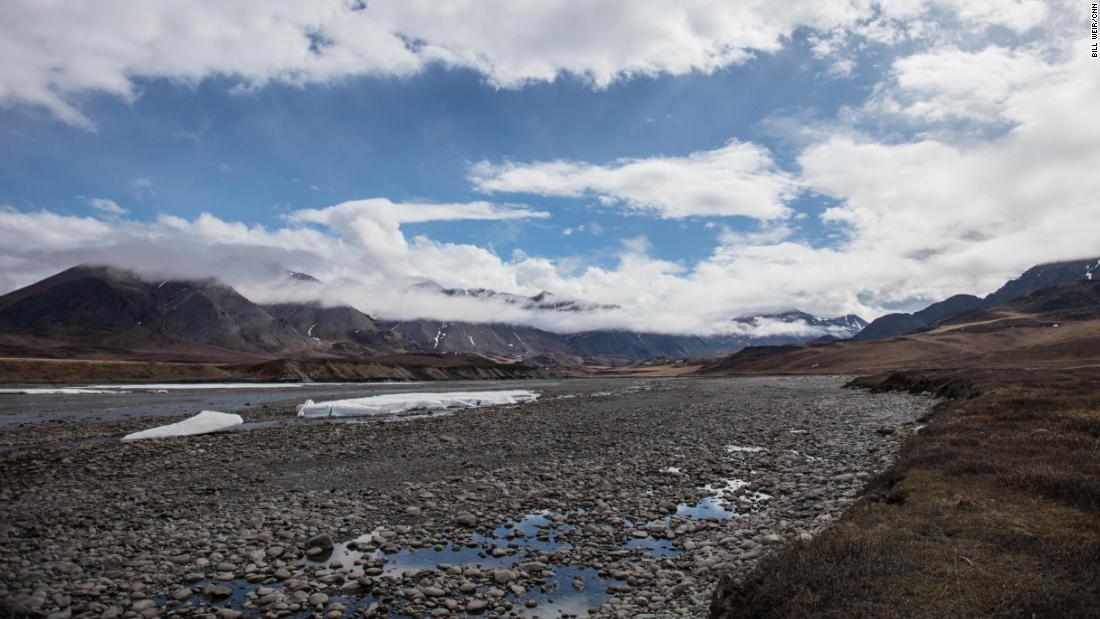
column 993, row 509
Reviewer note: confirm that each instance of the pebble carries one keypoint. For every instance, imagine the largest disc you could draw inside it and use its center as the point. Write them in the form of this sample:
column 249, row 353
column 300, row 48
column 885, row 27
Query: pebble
column 164, row 516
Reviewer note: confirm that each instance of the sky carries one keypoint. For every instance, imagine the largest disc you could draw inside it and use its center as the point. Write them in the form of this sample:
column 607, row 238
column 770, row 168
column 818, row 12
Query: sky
column 687, row 162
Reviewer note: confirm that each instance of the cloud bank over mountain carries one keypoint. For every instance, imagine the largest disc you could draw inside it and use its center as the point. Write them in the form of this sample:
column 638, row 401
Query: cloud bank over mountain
column 971, row 158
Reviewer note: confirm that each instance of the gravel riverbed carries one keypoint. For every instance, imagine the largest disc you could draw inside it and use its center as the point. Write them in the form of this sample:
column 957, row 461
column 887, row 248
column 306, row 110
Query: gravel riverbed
column 623, row 498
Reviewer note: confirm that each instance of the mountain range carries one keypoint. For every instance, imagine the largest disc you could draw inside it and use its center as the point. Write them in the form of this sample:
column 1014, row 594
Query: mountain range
column 104, row 312
column 112, row 313
column 108, row 311
column 1055, row 326
column 1031, row 280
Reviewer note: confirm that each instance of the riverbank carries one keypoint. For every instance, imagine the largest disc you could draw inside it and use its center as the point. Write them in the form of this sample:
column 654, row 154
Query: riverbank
column 991, row 510
column 627, row 496
column 395, row 367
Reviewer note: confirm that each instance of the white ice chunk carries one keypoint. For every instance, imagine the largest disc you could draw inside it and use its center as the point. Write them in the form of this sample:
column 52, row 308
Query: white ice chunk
column 203, row 423
column 394, row 403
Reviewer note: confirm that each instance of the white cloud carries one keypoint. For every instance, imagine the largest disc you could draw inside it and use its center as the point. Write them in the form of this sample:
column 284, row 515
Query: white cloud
column 639, row 245
column 948, row 84
column 1017, row 15
column 141, row 188
column 739, row 178
column 55, row 50
column 359, row 241
column 106, row 206
column 948, row 212
column 766, row 234
column 842, row 67
column 382, row 209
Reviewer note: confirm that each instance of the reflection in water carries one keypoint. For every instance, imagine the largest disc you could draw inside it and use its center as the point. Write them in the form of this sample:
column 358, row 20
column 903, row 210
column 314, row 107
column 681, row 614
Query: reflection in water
column 241, row 591
column 570, row 590
column 708, row 508
column 554, row 589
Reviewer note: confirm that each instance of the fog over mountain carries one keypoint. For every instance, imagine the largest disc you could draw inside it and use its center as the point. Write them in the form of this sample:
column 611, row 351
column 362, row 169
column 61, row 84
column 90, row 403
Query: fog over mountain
column 108, row 311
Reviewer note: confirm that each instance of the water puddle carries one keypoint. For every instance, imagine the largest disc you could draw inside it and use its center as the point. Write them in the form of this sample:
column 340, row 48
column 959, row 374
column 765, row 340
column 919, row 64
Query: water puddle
column 516, row 544
column 707, row 508
column 243, row 595
column 533, row 547
column 726, row 500
column 653, row 547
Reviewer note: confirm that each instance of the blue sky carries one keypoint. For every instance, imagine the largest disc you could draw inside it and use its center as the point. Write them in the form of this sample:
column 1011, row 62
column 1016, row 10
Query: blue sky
column 687, row 163
column 253, row 157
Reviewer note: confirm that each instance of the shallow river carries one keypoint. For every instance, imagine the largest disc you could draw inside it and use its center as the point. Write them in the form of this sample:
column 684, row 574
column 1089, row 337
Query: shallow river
column 173, row 400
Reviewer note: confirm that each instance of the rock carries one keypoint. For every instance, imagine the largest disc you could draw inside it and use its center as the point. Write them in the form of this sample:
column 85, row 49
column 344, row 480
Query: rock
column 476, row 606
column 531, row 566
column 504, row 576
column 322, row 541
column 318, row 599
column 217, row 591
column 466, row 519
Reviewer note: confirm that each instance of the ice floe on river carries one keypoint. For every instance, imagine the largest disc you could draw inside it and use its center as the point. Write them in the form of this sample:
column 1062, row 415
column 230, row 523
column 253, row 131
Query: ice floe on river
column 394, row 403
column 203, row 423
